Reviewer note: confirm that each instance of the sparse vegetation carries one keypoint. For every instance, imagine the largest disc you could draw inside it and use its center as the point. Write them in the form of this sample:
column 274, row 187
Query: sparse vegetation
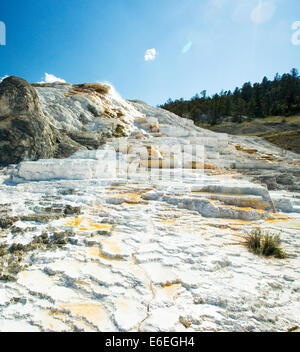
column 281, row 131
column 264, row 243
column 97, row 87
column 119, row 131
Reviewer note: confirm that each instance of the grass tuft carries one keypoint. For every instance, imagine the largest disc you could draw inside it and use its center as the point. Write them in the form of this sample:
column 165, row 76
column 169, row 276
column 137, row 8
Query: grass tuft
column 264, row 244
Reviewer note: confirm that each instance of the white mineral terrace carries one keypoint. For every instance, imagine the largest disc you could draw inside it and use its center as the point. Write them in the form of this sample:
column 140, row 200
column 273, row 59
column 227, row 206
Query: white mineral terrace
column 155, row 246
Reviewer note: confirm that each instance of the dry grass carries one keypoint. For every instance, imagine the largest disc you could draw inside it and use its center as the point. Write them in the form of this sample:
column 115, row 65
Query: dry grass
column 279, row 130
column 97, row 87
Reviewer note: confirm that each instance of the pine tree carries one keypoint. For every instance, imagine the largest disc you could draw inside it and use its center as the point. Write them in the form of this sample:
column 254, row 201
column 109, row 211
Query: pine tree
column 278, row 97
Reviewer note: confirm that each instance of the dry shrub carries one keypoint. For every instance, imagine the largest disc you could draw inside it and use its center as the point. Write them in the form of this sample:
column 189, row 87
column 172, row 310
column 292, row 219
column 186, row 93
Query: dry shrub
column 97, row 87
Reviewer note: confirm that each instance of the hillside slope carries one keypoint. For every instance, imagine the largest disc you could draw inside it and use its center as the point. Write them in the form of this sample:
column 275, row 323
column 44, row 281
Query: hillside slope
column 283, row 132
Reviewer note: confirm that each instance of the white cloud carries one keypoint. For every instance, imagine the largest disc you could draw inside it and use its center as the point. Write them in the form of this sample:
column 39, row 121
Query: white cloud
column 2, row 78
column 150, row 54
column 263, row 12
column 49, row 78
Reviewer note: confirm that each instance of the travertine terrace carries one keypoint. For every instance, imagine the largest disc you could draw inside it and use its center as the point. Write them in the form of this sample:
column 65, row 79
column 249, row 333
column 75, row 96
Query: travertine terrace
column 141, row 234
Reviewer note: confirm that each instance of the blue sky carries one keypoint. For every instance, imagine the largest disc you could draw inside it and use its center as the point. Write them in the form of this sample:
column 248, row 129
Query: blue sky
column 151, row 49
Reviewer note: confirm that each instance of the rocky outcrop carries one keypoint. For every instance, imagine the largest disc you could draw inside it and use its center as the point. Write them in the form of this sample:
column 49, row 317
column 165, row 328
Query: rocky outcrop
column 90, row 140
column 42, row 121
column 25, row 133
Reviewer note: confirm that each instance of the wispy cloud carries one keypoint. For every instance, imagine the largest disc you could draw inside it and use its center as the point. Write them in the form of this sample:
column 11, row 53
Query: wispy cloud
column 263, row 12
column 150, row 54
column 49, row 78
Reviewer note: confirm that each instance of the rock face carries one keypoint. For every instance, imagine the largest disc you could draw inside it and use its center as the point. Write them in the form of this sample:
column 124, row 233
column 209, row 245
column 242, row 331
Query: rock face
column 24, row 132
column 53, row 121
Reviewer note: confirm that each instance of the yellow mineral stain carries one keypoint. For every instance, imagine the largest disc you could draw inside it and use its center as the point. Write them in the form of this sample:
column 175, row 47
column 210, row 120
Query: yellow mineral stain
column 111, row 246
column 168, row 222
column 96, row 252
column 171, row 290
column 60, row 315
column 74, row 222
column 209, row 167
column 88, row 225
column 101, row 226
column 249, row 209
column 278, row 218
column 82, row 283
column 94, row 313
column 133, row 198
column 281, row 216
column 273, row 221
